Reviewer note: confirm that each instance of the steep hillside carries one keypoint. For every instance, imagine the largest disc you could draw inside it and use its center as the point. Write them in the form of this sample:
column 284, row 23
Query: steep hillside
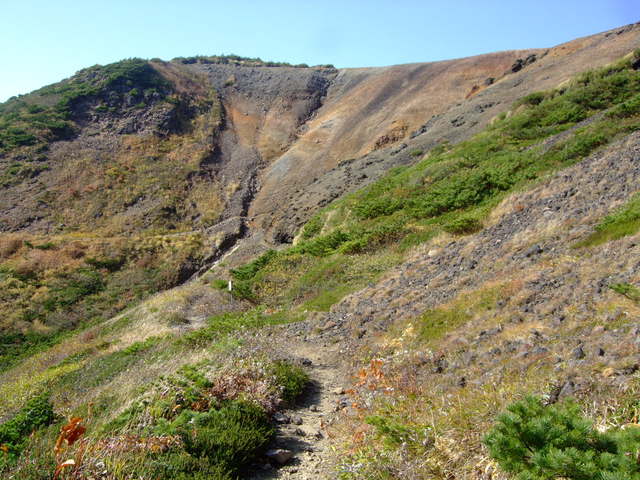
column 228, row 268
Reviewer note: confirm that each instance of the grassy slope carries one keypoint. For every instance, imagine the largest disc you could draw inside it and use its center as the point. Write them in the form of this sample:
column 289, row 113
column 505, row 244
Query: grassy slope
column 624, row 221
column 45, row 115
column 94, row 189
column 102, row 259
column 348, row 245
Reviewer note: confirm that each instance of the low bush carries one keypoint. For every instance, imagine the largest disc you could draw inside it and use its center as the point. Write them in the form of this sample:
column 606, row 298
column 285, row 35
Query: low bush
column 463, row 225
column 292, row 378
column 220, row 284
column 535, row 441
column 70, row 288
column 313, row 227
column 392, row 432
column 14, row 434
column 231, row 436
column 223, row 440
column 110, row 264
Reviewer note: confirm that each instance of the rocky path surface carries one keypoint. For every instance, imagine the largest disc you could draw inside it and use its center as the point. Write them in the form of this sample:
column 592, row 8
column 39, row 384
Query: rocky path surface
column 302, row 443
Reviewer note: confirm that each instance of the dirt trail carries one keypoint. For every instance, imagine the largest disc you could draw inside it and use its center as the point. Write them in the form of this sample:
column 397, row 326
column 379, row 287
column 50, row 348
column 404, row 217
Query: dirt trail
column 302, row 430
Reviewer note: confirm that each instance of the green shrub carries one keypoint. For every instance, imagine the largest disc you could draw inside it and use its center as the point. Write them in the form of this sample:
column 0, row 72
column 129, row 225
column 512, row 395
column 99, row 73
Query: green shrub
column 394, row 433
column 626, row 109
column 110, row 264
column 14, row 434
column 323, row 245
column 533, row 99
column 312, row 227
column 220, row 284
column 543, row 442
column 248, row 271
column 292, row 378
column 45, row 246
column 178, row 465
column 191, row 373
column 243, row 289
column 376, row 206
column 463, row 225
column 228, row 438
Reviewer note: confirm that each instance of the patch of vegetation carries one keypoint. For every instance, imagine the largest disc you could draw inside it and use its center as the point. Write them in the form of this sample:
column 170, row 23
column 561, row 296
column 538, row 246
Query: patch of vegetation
column 110, row 264
column 292, row 378
column 98, row 80
column 46, row 114
column 393, row 432
column 21, row 126
column 47, row 294
column 462, row 225
column 238, row 60
column 229, row 437
column 108, row 366
column 294, row 278
column 15, row 347
column 630, row 291
column 14, row 433
column 622, row 222
column 534, row 441
column 220, row 284
column 435, row 323
column 220, row 326
column 312, row 227
column 69, row 288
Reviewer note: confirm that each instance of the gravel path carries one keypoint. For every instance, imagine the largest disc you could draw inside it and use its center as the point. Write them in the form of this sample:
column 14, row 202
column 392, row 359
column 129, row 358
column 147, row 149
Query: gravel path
column 302, row 429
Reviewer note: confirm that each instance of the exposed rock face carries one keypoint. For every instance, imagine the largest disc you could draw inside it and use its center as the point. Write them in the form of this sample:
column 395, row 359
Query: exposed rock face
column 348, row 127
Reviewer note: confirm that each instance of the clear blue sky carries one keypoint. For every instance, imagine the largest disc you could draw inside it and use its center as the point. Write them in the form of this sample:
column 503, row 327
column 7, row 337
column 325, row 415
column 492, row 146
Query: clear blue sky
column 44, row 41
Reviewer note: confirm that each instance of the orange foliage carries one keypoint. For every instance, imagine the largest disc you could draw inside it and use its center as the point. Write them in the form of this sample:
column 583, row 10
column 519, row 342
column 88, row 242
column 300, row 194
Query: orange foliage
column 70, row 433
column 62, row 466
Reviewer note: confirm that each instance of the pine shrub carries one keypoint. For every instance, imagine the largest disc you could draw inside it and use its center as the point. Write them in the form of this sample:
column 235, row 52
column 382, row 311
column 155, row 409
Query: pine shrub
column 544, row 442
